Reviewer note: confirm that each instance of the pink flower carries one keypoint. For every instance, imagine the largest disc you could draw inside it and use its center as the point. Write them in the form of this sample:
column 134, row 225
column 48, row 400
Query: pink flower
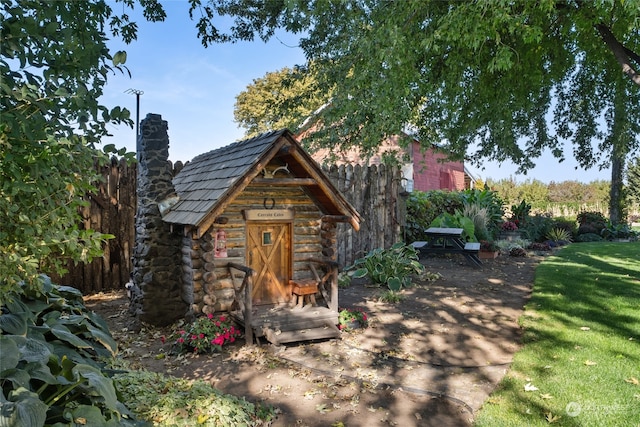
column 163, row 339
column 223, row 319
column 180, row 340
column 209, row 316
column 194, row 337
column 201, row 336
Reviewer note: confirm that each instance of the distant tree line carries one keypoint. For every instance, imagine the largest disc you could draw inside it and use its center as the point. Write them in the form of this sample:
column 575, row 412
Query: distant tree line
column 538, row 194
column 570, row 193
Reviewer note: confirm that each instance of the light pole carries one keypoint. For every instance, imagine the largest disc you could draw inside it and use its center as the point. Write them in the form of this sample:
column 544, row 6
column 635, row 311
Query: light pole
column 137, row 93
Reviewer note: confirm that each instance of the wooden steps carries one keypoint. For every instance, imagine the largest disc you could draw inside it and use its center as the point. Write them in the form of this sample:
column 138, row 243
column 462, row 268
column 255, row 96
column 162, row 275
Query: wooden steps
column 322, row 332
column 282, row 324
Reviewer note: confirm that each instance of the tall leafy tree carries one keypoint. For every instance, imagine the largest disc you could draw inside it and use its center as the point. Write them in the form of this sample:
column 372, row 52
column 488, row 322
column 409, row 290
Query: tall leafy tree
column 54, row 64
column 494, row 79
column 280, row 99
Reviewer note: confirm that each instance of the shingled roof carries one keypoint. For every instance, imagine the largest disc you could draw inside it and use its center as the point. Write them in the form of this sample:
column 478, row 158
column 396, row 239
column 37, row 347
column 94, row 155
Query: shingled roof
column 209, row 182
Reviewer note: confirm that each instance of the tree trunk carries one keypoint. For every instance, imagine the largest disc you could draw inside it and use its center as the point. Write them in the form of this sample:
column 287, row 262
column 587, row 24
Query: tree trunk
column 615, row 194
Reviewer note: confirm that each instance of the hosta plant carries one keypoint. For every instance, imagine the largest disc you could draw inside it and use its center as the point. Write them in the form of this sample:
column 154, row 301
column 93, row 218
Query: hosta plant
column 50, row 370
column 392, row 267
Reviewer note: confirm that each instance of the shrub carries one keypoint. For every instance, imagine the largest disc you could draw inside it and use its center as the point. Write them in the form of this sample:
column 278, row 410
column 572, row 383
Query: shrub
column 589, row 237
column 51, row 370
column 392, row 267
column 570, row 225
column 509, row 226
column 618, row 231
column 537, row 227
column 591, row 222
column 423, row 207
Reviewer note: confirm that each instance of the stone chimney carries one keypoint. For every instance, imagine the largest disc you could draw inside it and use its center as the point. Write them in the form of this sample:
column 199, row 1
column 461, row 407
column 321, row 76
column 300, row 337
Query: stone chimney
column 157, row 256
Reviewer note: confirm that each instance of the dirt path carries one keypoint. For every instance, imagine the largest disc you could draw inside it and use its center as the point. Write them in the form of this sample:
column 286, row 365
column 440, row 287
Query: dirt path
column 429, row 360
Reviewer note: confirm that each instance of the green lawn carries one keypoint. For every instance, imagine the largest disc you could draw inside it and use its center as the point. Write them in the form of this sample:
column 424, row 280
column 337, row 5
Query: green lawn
column 580, row 364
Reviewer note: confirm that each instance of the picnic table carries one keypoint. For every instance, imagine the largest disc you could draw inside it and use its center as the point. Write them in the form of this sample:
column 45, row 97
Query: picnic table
column 448, row 241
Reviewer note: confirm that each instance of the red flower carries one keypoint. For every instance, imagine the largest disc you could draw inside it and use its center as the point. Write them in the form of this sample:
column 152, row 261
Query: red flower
column 163, row 339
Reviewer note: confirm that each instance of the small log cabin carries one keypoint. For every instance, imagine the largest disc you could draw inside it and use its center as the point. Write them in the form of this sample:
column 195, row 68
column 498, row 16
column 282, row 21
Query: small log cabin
column 259, row 219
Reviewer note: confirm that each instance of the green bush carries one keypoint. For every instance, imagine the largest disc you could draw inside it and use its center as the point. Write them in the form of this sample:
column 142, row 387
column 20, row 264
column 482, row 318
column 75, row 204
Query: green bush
column 423, row 207
column 569, row 225
column 537, row 227
column 589, row 237
column 392, row 267
column 492, row 202
column 591, row 222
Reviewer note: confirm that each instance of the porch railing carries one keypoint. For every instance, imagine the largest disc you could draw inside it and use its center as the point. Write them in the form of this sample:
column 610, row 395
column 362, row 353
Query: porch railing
column 242, row 297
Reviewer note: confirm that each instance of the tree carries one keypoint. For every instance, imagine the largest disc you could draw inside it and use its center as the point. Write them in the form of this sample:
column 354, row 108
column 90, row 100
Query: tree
column 278, row 100
column 633, row 181
column 54, row 63
column 482, row 76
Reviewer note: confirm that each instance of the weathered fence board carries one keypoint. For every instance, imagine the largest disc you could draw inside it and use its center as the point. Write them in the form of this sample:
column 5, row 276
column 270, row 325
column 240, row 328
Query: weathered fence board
column 374, row 191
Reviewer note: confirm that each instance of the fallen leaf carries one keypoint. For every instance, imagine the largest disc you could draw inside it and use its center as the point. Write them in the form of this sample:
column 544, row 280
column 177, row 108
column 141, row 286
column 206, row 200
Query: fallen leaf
column 590, row 363
column 530, row 387
column 551, row 418
column 585, row 328
column 633, row 381
column 322, row 408
column 546, row 396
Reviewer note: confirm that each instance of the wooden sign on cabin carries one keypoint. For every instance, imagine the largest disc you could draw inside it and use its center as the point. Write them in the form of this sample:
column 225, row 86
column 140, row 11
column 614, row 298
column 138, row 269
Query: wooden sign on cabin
column 270, row 209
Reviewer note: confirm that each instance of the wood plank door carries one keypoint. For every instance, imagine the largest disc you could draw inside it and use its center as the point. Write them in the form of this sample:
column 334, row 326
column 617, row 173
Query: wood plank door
column 269, row 253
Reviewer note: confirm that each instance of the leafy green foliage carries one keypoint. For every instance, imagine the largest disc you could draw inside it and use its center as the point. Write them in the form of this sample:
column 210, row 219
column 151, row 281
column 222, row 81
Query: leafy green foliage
column 392, row 64
column 537, row 227
column 178, row 402
column 50, row 370
column 280, row 99
column 423, row 207
column 457, row 220
column 392, row 267
column 490, row 204
column 53, row 69
column 618, row 231
column 633, row 181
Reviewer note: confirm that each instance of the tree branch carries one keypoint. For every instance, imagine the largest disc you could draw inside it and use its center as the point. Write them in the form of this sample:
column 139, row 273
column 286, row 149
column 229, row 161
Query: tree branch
column 622, row 54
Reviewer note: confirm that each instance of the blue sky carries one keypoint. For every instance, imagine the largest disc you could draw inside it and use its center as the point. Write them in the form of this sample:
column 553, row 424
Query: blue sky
column 194, row 89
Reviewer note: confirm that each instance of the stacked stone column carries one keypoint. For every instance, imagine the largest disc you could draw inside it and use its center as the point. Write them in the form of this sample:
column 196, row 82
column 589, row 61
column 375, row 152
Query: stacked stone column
column 157, row 255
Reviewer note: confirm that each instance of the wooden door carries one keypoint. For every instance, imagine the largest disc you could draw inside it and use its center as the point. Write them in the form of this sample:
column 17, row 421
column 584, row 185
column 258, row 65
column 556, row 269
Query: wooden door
column 269, row 254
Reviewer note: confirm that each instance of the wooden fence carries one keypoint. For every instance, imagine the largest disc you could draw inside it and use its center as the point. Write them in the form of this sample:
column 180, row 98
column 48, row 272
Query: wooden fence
column 111, row 210
column 374, row 191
